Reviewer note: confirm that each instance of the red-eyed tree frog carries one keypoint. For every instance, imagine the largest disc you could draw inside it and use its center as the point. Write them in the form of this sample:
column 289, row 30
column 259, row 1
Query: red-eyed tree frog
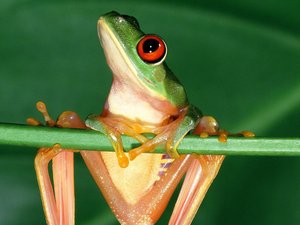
column 145, row 97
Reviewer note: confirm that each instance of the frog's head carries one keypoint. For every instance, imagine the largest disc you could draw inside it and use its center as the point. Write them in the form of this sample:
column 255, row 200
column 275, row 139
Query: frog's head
column 137, row 58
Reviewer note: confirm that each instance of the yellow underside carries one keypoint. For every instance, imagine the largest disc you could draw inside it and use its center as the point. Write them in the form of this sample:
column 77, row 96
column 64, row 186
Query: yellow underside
column 135, row 180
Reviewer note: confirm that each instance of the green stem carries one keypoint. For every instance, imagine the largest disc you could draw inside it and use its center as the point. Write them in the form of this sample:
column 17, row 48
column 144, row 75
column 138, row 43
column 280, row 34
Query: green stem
column 32, row 136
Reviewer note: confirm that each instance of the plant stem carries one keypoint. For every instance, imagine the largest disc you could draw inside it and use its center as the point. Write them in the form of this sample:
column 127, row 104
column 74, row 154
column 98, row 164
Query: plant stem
column 32, row 136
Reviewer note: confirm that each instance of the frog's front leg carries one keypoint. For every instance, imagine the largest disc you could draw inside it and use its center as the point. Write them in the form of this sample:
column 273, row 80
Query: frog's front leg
column 113, row 128
column 171, row 134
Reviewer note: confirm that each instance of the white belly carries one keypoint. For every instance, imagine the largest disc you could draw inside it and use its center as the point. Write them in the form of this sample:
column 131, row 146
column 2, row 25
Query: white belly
column 123, row 101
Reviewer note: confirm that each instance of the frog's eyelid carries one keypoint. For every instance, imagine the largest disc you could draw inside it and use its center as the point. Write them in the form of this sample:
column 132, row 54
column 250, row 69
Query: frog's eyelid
column 132, row 20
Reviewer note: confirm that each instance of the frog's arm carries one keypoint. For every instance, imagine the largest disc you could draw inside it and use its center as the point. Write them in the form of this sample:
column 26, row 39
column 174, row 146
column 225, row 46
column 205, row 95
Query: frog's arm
column 95, row 123
column 188, row 123
column 113, row 129
column 171, row 134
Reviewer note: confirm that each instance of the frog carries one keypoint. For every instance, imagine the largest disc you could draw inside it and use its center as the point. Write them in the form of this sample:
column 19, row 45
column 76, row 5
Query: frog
column 145, row 98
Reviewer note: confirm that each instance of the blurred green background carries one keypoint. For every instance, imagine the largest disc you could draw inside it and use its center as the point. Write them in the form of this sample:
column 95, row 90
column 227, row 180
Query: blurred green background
column 239, row 61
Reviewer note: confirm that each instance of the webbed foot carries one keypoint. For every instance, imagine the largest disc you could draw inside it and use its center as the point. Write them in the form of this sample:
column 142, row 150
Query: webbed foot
column 208, row 126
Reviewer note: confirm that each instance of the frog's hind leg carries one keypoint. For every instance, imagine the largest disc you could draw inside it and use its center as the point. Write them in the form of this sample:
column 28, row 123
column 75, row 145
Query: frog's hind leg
column 63, row 179
column 198, row 179
column 59, row 203
column 201, row 173
column 41, row 162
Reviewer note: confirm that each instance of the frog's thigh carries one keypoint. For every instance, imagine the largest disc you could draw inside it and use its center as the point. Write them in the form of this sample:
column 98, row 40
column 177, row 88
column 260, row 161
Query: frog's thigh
column 41, row 162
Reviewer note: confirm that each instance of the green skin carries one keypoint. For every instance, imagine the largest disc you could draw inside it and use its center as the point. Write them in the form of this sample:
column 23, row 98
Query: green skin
column 158, row 81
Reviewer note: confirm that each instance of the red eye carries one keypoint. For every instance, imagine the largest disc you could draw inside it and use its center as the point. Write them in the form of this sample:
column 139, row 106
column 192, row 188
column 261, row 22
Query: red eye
column 151, row 49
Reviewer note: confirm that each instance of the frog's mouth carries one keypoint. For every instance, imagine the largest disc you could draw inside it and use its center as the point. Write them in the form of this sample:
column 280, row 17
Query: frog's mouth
column 116, row 57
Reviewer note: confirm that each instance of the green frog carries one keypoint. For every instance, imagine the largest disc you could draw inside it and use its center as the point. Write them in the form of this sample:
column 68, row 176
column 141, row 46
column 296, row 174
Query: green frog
column 145, row 97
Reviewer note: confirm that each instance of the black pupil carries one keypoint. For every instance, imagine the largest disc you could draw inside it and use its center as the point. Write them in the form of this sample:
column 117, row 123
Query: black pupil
column 150, row 45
